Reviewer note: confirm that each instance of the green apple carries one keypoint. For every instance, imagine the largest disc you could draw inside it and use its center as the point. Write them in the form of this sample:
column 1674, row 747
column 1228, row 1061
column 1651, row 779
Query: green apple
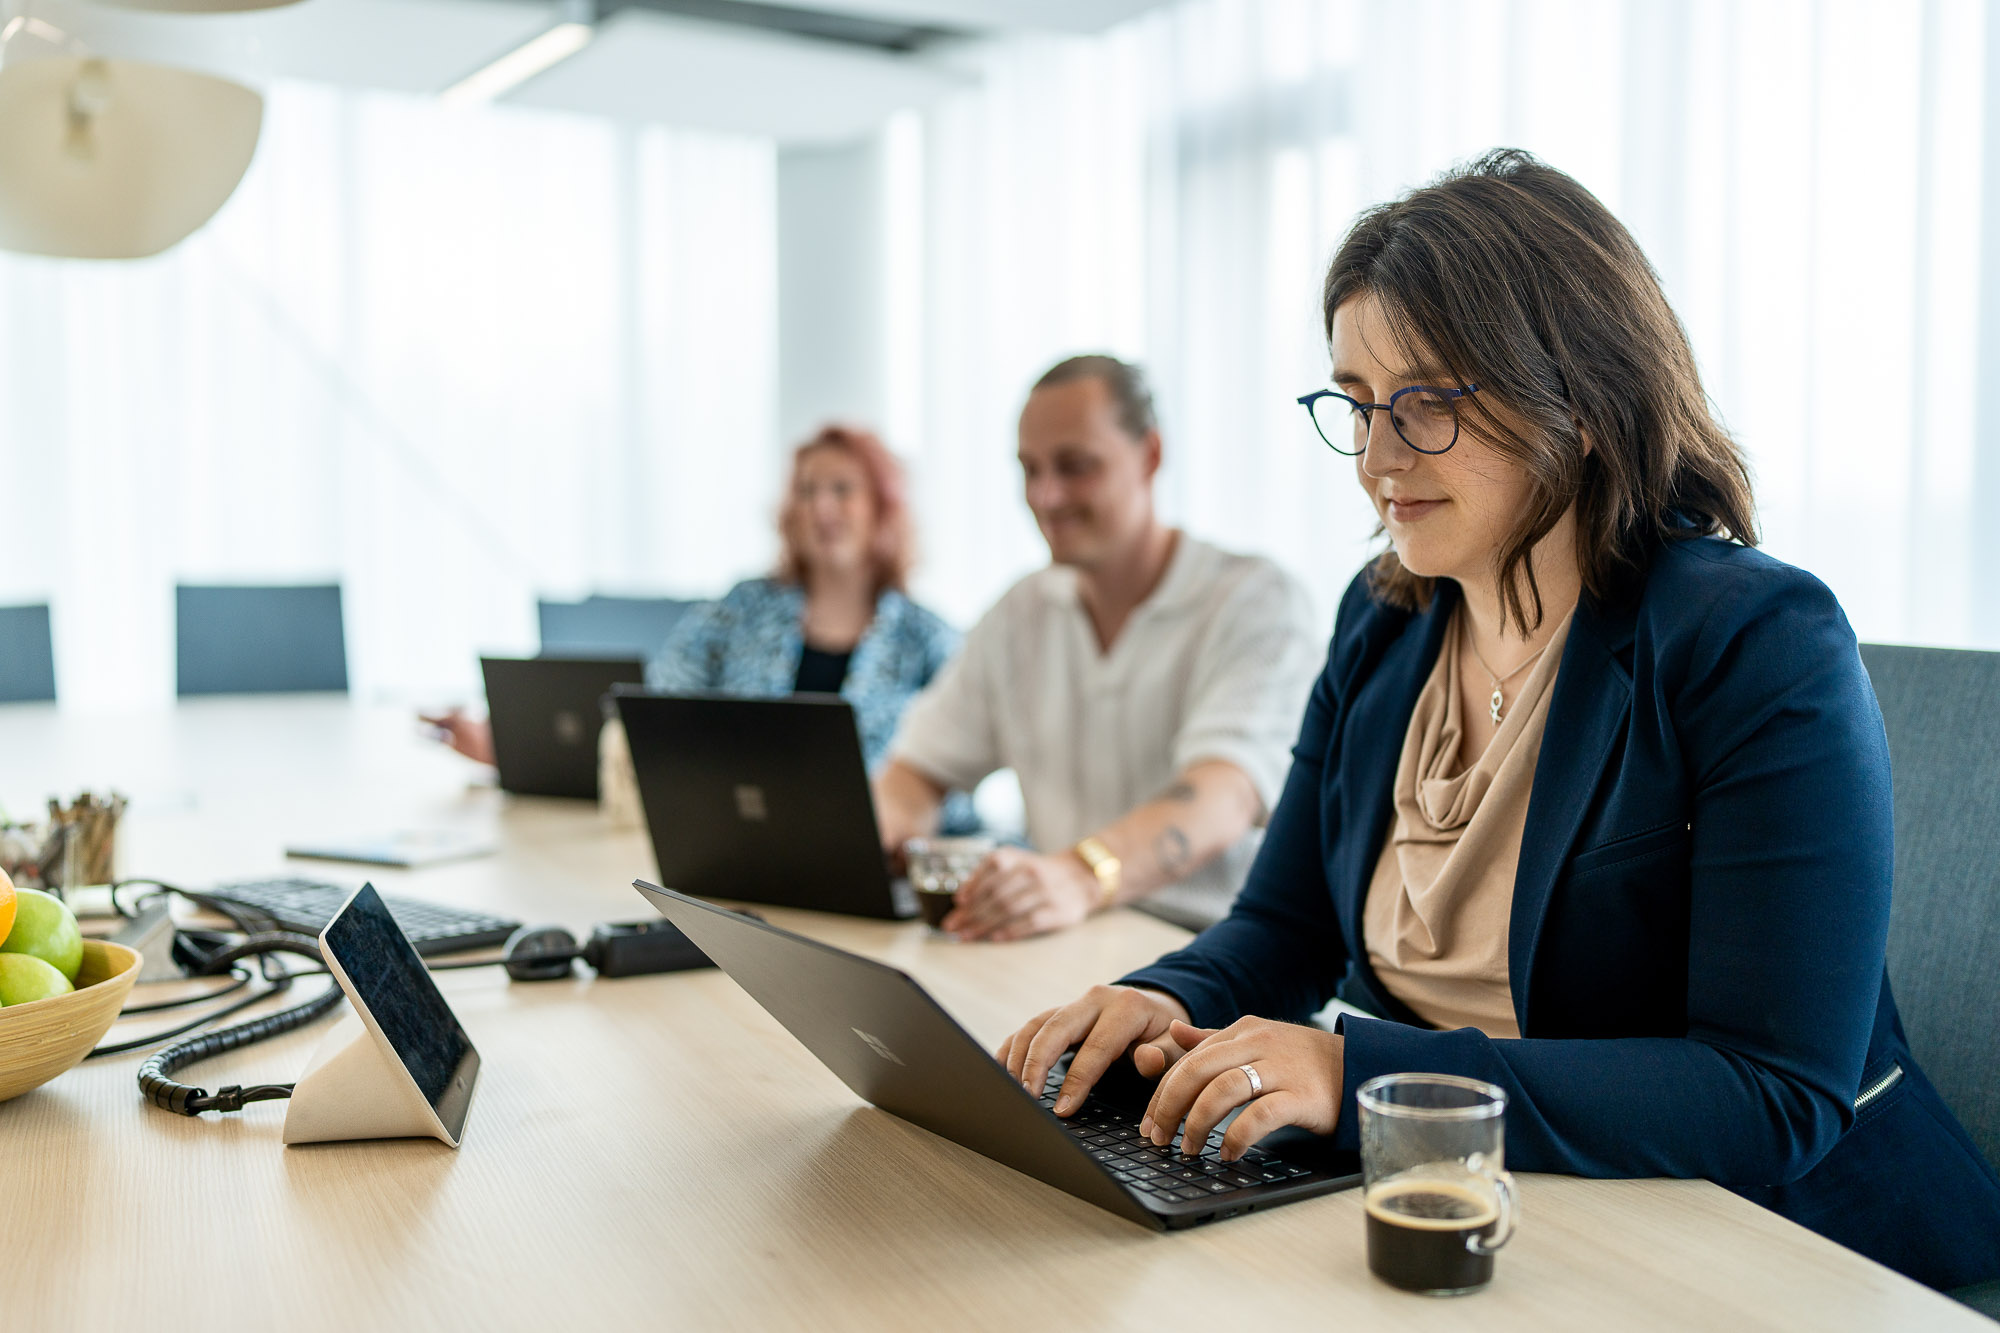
column 25, row 979
column 45, row 929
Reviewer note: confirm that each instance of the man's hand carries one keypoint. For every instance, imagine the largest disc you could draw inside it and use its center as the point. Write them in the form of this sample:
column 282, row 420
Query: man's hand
column 1015, row 893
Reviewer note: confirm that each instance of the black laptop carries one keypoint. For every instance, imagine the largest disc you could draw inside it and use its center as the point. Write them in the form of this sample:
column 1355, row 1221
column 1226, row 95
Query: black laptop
column 761, row 800
column 888, row 1040
column 546, row 713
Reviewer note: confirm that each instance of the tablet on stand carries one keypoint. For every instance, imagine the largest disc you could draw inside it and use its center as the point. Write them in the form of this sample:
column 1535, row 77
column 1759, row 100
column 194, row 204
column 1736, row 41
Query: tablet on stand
column 398, row 1066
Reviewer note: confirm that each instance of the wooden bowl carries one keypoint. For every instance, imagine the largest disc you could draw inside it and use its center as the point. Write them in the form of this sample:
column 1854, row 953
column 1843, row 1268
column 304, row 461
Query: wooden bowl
column 42, row 1039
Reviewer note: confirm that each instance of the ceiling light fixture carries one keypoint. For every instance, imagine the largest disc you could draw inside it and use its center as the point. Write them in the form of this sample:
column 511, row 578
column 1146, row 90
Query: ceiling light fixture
column 111, row 159
column 525, row 61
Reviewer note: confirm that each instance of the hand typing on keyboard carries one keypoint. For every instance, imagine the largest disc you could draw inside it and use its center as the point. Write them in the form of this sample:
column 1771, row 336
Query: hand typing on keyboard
column 1102, row 1025
column 1202, row 1074
column 1108, row 1133
column 1298, row 1082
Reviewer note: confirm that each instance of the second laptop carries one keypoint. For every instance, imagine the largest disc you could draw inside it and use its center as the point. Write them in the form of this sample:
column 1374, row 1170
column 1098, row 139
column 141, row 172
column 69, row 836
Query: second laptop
column 760, row 800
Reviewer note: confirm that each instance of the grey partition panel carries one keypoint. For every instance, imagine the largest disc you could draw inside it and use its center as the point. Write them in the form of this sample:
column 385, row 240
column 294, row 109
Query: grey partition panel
column 259, row 640
column 1942, row 710
column 27, row 655
column 609, row 626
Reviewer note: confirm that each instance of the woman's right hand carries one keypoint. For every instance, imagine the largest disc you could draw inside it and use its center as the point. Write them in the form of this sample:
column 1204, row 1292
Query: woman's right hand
column 471, row 737
column 1107, row 1021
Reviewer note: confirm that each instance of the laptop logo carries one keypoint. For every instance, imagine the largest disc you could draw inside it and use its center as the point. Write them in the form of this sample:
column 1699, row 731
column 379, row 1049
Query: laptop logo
column 750, row 805
column 875, row 1044
column 569, row 728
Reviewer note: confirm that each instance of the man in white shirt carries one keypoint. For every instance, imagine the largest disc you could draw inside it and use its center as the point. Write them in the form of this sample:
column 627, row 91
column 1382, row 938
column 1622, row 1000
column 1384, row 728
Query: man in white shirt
column 1145, row 688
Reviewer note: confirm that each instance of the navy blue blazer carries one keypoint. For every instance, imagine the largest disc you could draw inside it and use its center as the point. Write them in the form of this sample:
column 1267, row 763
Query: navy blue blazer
column 1696, row 946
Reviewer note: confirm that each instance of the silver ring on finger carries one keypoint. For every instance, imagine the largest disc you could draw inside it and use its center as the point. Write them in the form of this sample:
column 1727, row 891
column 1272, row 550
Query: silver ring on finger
column 1256, row 1084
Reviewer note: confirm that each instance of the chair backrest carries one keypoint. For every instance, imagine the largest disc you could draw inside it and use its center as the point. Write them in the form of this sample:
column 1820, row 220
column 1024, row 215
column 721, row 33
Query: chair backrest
column 1942, row 710
column 609, row 626
column 232, row 640
column 27, row 655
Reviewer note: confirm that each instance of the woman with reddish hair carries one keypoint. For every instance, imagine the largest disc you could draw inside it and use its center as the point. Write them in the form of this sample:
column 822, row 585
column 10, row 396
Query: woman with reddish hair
column 839, row 464
column 833, row 618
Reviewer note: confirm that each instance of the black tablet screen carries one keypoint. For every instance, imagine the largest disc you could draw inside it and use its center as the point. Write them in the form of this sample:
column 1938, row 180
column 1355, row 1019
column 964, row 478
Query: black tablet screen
column 390, row 979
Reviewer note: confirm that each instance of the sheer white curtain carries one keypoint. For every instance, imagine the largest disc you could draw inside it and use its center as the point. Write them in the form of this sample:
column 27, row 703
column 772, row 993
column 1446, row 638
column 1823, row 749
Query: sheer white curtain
column 1806, row 177
column 451, row 359
column 459, row 359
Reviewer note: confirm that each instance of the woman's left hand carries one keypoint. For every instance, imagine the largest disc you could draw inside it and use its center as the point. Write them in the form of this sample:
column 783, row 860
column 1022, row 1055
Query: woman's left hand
column 1300, row 1069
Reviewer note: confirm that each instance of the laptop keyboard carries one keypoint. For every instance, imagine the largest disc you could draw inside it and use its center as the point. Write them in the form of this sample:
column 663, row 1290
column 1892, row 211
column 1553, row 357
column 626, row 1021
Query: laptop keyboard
column 306, row 906
column 1111, row 1135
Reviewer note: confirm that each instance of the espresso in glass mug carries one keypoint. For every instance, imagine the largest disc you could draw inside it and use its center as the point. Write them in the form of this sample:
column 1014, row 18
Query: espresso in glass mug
column 1438, row 1197
column 938, row 866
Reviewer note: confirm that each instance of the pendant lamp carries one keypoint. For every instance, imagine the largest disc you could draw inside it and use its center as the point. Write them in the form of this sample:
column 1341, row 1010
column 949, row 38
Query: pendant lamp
column 115, row 159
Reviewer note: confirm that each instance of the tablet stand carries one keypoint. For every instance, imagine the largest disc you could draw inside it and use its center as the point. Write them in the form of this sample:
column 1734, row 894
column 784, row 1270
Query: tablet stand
column 356, row 1088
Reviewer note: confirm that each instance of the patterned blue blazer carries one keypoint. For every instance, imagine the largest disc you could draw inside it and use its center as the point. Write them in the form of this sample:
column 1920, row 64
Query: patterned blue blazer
column 750, row 643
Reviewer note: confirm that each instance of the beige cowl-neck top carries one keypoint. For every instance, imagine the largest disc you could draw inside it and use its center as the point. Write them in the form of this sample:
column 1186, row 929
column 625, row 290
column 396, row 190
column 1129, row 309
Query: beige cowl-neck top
column 1436, row 919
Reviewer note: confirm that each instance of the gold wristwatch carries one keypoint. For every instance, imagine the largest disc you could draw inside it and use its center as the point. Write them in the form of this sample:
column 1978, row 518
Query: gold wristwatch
column 1107, row 867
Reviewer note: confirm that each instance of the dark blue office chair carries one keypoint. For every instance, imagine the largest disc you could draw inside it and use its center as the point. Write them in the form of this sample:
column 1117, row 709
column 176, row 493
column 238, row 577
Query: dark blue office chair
column 609, row 626
column 27, row 655
column 233, row 640
column 1944, row 921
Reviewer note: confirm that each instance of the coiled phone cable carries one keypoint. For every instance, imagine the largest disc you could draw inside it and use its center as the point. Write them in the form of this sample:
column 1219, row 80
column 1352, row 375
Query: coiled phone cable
column 156, row 1080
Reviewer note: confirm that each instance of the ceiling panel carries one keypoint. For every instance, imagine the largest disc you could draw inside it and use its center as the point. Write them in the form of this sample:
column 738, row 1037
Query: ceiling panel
column 643, row 67
column 995, row 15
column 417, row 46
column 652, row 68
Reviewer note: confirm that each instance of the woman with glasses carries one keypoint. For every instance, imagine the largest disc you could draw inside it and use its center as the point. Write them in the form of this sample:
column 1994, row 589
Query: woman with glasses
column 1592, row 798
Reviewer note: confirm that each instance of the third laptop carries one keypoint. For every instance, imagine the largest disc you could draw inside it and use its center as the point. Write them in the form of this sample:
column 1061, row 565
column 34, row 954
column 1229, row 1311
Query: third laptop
column 546, row 714
column 761, row 800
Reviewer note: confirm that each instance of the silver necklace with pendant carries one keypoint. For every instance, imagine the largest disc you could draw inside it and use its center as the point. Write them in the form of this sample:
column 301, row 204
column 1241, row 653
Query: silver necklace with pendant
column 1496, row 702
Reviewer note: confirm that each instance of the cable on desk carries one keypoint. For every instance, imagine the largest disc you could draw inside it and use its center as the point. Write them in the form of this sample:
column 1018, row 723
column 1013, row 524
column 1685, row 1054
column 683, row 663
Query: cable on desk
column 461, row 965
column 242, row 979
column 156, row 1075
column 155, row 1038
column 225, row 959
column 121, row 909
column 199, row 952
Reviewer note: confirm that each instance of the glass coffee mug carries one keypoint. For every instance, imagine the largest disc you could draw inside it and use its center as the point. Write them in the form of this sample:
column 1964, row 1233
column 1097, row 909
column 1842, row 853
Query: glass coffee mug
column 938, row 866
column 1440, row 1202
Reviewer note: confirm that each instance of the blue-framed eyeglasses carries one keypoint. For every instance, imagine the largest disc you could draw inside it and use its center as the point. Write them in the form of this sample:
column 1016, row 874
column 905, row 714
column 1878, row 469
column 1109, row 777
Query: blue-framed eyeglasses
column 1426, row 417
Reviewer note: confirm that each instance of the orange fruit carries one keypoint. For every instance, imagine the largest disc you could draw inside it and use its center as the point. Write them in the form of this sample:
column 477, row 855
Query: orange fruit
column 6, row 906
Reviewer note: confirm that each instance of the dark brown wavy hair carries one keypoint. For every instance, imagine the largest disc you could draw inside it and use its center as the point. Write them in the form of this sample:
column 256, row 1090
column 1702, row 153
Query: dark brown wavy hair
column 1510, row 275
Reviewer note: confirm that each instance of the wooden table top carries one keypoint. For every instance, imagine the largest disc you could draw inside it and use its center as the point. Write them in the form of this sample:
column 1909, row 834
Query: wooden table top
column 658, row 1149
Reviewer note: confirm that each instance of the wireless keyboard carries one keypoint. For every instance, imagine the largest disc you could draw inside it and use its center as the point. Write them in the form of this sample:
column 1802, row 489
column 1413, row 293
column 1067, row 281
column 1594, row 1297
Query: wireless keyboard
column 305, row 906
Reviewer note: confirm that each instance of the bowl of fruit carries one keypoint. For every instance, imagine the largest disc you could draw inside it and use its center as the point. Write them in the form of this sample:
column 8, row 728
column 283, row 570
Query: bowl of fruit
column 58, row 991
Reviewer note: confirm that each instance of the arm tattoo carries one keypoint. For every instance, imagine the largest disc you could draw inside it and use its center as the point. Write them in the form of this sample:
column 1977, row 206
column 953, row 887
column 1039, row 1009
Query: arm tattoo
column 1176, row 856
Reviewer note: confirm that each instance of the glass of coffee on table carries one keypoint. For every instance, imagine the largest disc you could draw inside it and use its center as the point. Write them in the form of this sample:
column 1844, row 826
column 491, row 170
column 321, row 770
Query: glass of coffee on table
column 1435, row 1184
column 938, row 866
